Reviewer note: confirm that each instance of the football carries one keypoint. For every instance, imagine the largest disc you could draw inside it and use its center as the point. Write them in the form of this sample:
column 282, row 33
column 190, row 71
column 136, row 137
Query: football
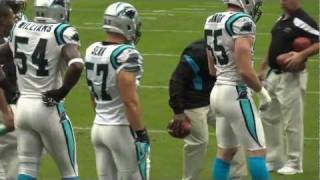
column 301, row 43
column 179, row 128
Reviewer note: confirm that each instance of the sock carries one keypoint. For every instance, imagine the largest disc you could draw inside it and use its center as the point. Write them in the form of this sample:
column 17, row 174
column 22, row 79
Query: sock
column 258, row 168
column 71, row 178
column 25, row 177
column 220, row 169
column 3, row 130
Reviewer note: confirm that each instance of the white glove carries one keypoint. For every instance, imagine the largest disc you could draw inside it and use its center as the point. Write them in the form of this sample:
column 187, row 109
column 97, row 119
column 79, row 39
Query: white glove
column 265, row 99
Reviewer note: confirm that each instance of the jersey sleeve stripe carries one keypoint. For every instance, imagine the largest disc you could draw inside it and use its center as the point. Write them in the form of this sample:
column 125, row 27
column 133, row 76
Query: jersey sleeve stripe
column 305, row 26
column 197, row 81
column 116, row 53
column 58, row 32
column 231, row 20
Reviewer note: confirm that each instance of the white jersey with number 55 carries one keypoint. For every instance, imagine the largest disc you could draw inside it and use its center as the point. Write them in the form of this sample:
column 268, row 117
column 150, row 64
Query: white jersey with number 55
column 37, row 54
column 221, row 30
column 104, row 61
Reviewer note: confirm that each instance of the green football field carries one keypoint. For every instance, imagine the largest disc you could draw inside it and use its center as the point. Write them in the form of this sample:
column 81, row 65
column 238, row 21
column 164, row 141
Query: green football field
column 168, row 26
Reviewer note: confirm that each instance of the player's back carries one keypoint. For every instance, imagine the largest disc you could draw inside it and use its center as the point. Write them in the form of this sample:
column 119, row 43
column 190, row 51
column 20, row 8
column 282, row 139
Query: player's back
column 36, row 49
column 103, row 62
column 221, row 30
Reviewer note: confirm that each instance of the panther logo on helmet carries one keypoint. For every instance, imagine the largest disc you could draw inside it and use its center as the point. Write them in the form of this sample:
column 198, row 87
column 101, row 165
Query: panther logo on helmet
column 251, row 7
column 122, row 18
column 52, row 11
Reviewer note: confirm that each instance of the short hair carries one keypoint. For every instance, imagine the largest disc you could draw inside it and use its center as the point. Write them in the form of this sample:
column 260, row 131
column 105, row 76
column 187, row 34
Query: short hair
column 5, row 10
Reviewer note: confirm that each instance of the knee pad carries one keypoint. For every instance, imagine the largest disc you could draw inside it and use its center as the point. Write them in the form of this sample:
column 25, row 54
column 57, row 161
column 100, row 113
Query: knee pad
column 28, row 166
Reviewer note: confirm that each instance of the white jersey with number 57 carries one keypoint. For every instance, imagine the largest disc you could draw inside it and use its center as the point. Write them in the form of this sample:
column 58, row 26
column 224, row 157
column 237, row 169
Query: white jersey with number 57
column 221, row 30
column 104, row 61
column 36, row 50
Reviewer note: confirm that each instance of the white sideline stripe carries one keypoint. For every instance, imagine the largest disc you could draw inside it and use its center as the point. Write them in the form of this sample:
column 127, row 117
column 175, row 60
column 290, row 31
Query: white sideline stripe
column 177, row 55
column 166, row 87
column 150, row 30
column 165, row 132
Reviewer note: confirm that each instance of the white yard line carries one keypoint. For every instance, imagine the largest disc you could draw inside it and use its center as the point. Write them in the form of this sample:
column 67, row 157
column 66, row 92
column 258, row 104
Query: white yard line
column 166, row 87
column 156, row 131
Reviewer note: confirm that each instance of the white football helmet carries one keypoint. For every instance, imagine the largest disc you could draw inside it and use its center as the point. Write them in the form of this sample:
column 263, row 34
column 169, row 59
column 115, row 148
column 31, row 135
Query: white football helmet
column 52, row 11
column 123, row 18
column 251, row 7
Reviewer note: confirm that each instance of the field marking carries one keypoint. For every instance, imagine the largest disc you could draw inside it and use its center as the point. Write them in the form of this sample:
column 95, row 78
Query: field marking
column 178, row 55
column 150, row 30
column 166, row 87
column 156, row 131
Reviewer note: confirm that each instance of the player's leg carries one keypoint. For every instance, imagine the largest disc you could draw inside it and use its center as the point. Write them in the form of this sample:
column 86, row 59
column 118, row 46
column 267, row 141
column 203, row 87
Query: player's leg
column 106, row 168
column 272, row 124
column 292, row 107
column 29, row 141
column 238, row 167
column 125, row 155
column 247, row 126
column 226, row 139
column 196, row 143
column 59, row 141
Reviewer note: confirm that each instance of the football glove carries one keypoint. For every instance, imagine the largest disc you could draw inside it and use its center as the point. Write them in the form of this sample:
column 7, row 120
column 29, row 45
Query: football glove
column 180, row 126
column 142, row 144
column 53, row 97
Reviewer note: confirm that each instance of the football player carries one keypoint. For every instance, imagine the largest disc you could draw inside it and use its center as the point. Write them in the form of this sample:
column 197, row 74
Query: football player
column 49, row 64
column 114, row 68
column 230, row 36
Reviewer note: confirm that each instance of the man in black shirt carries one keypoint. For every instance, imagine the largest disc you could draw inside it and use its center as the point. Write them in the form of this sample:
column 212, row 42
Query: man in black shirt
column 190, row 87
column 287, row 88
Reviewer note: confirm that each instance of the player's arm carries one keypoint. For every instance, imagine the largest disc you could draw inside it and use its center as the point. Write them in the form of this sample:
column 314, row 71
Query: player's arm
column 263, row 67
column 5, row 53
column 243, row 58
column 71, row 54
column 130, row 98
column 7, row 115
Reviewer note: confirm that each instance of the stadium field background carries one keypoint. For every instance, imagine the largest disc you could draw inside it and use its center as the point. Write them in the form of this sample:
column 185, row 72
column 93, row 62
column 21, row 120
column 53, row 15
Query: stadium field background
column 168, row 26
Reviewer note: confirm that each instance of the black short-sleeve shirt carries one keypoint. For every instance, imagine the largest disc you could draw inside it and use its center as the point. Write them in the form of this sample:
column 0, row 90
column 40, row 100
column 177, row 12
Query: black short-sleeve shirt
column 286, row 30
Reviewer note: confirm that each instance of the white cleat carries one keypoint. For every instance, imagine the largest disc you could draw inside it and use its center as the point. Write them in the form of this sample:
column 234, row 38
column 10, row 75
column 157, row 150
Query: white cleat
column 286, row 170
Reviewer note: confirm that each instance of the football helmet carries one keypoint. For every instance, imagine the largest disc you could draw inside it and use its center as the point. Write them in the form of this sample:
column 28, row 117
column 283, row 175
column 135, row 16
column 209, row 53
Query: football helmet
column 122, row 18
column 251, row 7
column 52, row 11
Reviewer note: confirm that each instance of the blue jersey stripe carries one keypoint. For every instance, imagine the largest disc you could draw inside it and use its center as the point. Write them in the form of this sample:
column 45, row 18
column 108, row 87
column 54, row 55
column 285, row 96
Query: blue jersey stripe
column 116, row 53
column 248, row 115
column 58, row 32
column 231, row 20
column 197, row 80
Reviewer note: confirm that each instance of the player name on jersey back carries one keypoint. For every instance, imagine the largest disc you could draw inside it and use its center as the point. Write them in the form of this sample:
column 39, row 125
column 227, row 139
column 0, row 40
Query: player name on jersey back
column 30, row 26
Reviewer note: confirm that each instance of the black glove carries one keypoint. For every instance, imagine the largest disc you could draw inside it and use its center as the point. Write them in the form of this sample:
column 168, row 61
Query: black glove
column 142, row 144
column 142, row 136
column 53, row 97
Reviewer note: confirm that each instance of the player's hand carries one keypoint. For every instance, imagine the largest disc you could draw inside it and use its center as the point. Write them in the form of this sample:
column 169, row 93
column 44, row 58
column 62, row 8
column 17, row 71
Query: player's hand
column 265, row 99
column 142, row 143
column 180, row 126
column 261, row 75
column 53, row 97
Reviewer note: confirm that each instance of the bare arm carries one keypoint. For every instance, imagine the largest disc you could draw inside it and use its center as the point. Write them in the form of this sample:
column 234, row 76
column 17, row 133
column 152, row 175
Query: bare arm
column 6, row 111
column 243, row 59
column 263, row 67
column 5, row 53
column 130, row 98
column 212, row 69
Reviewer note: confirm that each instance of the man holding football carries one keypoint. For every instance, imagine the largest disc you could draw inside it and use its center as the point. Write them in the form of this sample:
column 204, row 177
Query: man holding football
column 286, row 80
column 189, row 90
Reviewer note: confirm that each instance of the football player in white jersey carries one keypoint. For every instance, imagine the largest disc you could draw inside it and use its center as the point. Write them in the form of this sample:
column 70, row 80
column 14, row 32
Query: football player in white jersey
column 49, row 64
column 230, row 36
column 114, row 68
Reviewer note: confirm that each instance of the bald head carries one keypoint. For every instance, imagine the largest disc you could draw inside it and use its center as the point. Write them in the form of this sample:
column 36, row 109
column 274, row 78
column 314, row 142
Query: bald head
column 6, row 20
column 290, row 5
